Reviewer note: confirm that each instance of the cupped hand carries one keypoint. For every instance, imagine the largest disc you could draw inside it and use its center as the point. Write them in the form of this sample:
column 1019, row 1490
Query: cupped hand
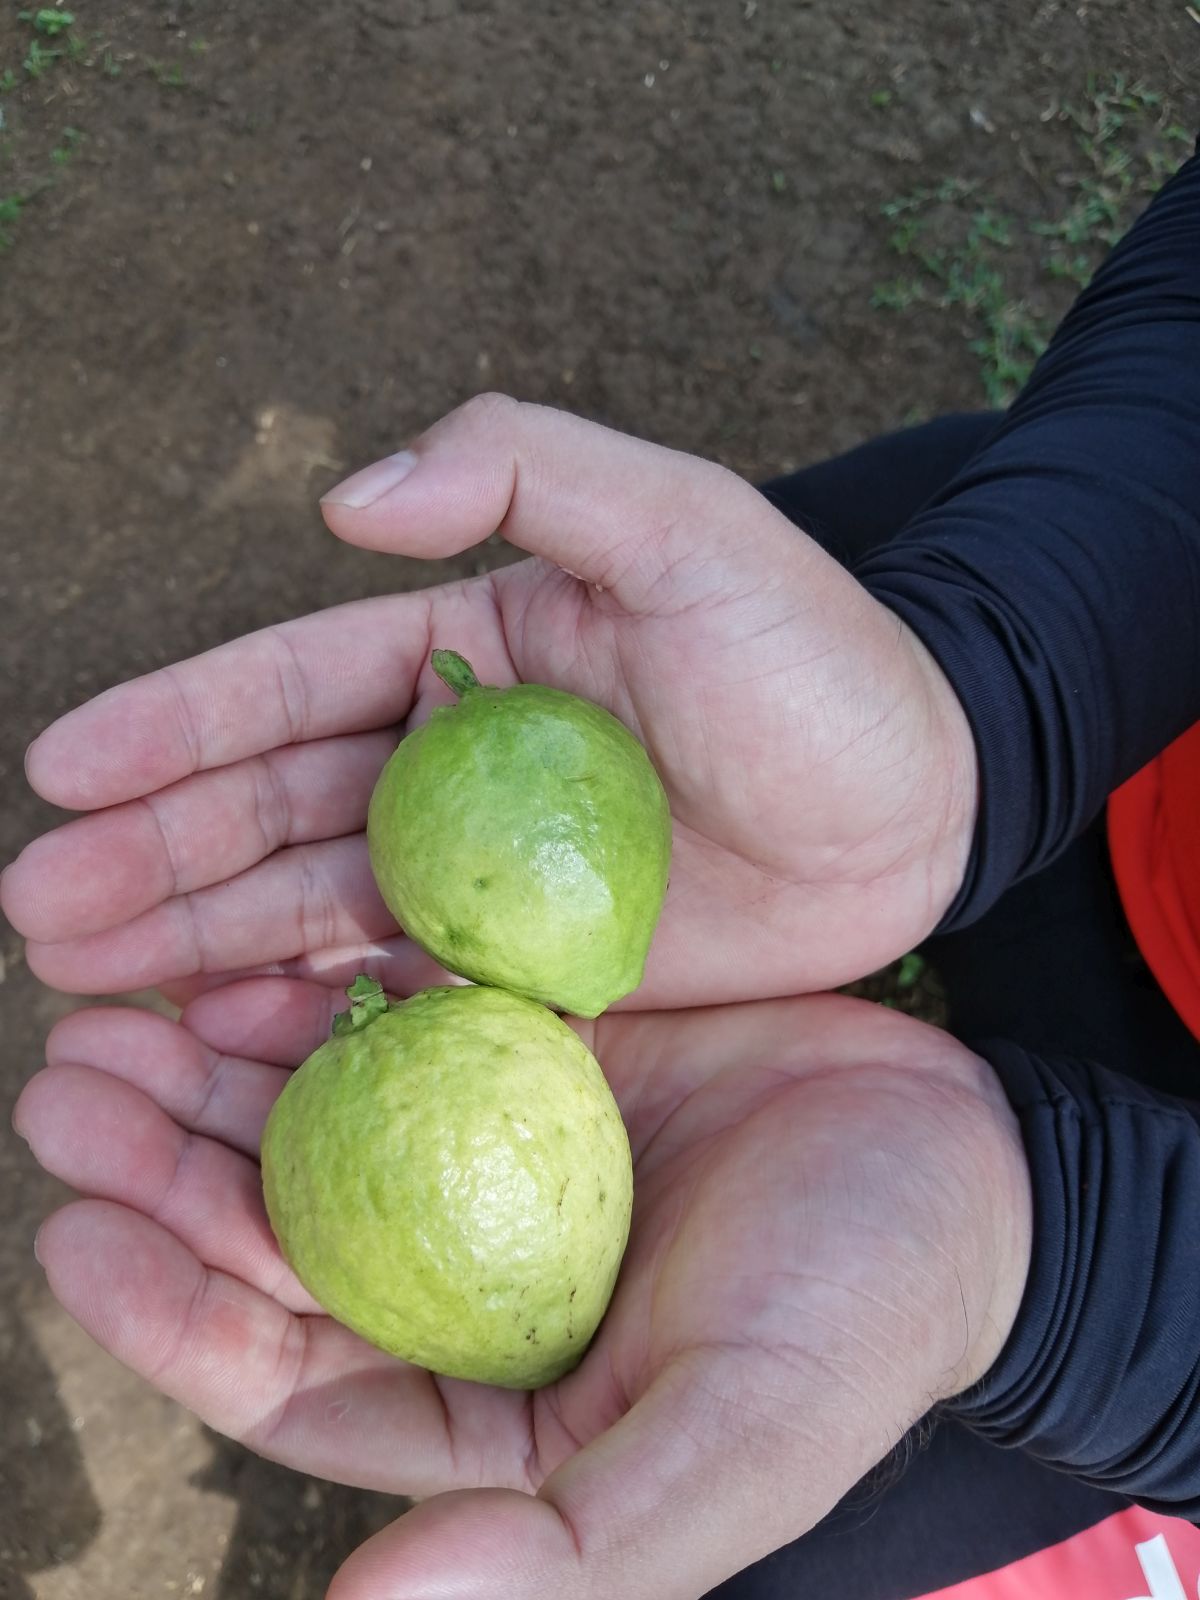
column 830, row 1233
column 820, row 770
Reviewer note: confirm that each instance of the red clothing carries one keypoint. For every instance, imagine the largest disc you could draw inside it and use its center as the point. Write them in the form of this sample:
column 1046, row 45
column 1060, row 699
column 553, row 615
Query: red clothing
column 1134, row 1555
column 1154, row 837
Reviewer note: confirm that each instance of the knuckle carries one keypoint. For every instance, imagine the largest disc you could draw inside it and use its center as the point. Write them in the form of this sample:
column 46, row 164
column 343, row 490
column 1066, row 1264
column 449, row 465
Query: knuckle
column 271, row 805
column 317, row 913
column 491, row 409
column 290, row 684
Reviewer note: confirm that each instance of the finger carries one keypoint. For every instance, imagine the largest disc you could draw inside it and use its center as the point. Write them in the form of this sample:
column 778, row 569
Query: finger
column 276, row 1019
column 401, row 966
column 180, row 991
column 345, row 670
column 110, row 1141
column 614, row 510
column 105, row 869
column 302, row 1390
column 306, row 896
column 664, row 1505
column 224, row 1096
column 284, row 1020
column 281, row 1020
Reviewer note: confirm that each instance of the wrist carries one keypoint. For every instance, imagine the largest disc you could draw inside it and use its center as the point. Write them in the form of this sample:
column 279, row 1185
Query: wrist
column 995, row 1252
column 953, row 793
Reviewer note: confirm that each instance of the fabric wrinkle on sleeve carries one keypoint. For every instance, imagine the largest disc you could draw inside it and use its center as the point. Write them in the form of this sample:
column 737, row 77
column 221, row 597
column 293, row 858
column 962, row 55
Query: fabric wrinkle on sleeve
column 1056, row 580
column 1100, row 1376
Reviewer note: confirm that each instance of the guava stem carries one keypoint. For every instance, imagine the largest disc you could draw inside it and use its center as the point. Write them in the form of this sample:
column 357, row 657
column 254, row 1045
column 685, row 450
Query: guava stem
column 367, row 1001
column 455, row 672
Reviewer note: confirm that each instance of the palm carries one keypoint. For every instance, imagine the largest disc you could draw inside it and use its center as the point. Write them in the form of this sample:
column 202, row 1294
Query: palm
column 819, row 770
column 790, row 1233
column 802, row 839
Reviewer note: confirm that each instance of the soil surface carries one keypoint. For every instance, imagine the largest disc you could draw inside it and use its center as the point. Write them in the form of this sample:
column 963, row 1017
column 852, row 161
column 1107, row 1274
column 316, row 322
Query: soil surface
column 259, row 245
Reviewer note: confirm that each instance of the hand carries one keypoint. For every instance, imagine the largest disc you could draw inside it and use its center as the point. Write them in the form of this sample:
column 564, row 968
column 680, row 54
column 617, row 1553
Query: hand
column 820, row 770
column 830, row 1233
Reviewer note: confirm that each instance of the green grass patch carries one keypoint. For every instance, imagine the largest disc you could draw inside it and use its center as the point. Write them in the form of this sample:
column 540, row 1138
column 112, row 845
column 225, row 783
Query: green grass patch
column 1130, row 146
column 66, row 147
column 11, row 207
column 168, row 74
column 49, row 42
column 963, row 254
column 52, row 41
column 48, row 21
column 909, row 984
column 39, row 59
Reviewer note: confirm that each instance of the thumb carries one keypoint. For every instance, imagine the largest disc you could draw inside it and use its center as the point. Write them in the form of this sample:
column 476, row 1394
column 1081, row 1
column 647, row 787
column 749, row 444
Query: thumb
column 608, row 508
column 676, row 1497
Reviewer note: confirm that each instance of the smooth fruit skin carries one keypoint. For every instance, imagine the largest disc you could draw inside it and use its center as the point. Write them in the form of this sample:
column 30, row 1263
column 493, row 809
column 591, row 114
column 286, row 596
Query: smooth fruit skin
column 522, row 837
column 453, row 1181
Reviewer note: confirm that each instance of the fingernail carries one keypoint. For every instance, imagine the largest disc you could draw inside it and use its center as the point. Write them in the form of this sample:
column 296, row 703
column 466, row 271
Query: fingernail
column 372, row 483
column 36, row 1237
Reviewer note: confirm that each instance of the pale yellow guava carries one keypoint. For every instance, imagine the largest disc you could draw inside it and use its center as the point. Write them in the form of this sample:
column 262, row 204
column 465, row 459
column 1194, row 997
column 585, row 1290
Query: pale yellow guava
column 451, row 1178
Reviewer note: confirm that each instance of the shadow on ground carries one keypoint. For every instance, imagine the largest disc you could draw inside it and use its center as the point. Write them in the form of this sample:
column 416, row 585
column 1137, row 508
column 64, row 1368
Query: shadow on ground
column 48, row 1513
column 291, row 1533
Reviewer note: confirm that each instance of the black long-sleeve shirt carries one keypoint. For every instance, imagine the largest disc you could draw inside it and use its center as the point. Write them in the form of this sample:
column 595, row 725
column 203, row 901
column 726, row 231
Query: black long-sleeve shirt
column 1056, row 579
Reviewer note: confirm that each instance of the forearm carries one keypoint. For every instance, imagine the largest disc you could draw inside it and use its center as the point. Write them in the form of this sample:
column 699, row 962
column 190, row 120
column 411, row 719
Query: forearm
column 1056, row 580
column 1100, row 1375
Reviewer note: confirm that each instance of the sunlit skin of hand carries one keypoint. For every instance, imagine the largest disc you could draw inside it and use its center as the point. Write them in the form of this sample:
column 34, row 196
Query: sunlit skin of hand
column 831, row 1225
column 820, row 770
column 830, row 1233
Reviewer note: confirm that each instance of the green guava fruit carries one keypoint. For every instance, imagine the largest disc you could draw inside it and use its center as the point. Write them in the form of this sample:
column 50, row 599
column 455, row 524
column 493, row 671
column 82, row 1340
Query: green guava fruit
column 450, row 1177
column 522, row 838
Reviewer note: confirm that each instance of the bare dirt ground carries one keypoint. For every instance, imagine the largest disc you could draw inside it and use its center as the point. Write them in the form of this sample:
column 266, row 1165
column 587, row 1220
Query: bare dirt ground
column 245, row 248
